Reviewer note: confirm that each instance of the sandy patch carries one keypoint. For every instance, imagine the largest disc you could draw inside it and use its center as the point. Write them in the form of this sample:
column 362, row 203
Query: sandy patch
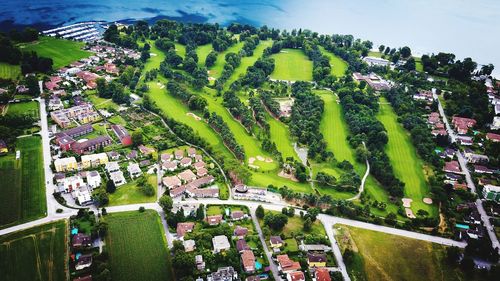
column 269, row 160
column 251, row 160
column 260, row 158
column 407, row 202
column 153, row 54
column 287, row 176
column 427, row 200
column 253, row 166
column 409, row 213
column 210, row 78
column 196, row 117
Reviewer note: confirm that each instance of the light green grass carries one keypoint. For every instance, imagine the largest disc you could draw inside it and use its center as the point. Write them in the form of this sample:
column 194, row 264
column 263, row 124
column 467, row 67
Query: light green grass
column 23, row 185
column 263, row 179
column 339, row 66
column 102, row 103
column 21, row 108
column 9, row 71
column 281, row 136
column 418, row 64
column 180, row 49
column 137, row 247
column 38, row 253
column 408, row 167
column 380, row 256
column 129, row 193
column 374, row 54
column 62, row 52
column 292, row 65
column 216, row 70
column 202, row 52
column 295, row 226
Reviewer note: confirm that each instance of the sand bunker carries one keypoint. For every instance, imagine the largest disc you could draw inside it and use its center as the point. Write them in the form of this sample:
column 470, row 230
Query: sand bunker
column 269, row 160
column 253, row 166
column 196, row 117
column 210, row 78
column 251, row 160
column 260, row 158
column 407, row 202
column 287, row 176
column 409, row 213
column 427, row 200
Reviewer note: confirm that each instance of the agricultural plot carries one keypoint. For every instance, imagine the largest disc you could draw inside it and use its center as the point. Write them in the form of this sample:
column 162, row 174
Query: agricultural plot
column 292, row 65
column 339, row 66
column 63, row 52
column 202, row 52
column 22, row 188
column 216, row 70
column 381, row 256
column 137, row 247
column 408, row 167
column 9, row 71
column 29, row 108
column 38, row 253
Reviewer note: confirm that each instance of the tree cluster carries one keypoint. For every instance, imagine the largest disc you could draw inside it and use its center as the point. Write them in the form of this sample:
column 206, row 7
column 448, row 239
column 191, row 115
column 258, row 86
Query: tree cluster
column 218, row 124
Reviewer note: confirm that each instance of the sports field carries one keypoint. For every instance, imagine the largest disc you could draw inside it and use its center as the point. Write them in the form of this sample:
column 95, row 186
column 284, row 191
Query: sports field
column 216, row 69
column 292, row 65
column 22, row 188
column 9, row 71
column 21, row 108
column 130, row 193
column 137, row 247
column 339, row 66
column 202, row 52
column 62, row 52
column 380, row 256
column 38, row 253
column 408, row 167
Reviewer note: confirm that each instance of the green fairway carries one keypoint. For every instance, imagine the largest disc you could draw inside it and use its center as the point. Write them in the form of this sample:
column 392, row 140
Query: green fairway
column 22, row 188
column 380, row 256
column 339, row 66
column 38, row 253
column 292, row 65
column 418, row 64
column 406, row 164
column 263, row 179
column 216, row 70
column 137, row 247
column 62, row 52
column 130, row 193
column 202, row 52
column 180, row 49
column 281, row 136
column 21, row 108
column 9, row 71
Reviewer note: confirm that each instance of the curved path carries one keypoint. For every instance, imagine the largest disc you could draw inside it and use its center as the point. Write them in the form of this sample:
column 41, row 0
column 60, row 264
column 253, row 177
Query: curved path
column 363, row 180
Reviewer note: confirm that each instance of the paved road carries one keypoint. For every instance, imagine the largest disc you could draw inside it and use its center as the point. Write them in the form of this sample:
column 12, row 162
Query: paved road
column 335, row 248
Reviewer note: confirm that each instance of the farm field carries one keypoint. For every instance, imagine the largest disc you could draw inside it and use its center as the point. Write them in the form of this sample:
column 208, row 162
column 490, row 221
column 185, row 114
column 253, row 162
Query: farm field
column 9, row 71
column 339, row 66
column 38, row 253
column 216, row 70
column 63, row 52
column 202, row 52
column 381, row 256
column 408, row 167
column 137, row 247
column 31, row 108
column 292, row 65
column 22, row 188
column 129, row 193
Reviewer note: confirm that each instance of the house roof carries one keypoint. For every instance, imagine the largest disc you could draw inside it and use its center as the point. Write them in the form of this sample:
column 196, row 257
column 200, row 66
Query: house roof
column 276, row 240
column 493, row 137
column 322, row 274
column 297, row 276
column 171, row 181
column 166, row 157
column 179, row 153
column 220, row 242
column 201, row 172
column 248, row 258
column 242, row 245
column 452, row 166
column 184, row 227
column 316, row 257
column 185, row 161
column 187, row 175
column 237, row 214
column 240, row 231
column 215, row 219
column 191, row 150
column 169, row 165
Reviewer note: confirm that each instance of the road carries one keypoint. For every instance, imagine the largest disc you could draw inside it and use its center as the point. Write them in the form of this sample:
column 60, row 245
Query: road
column 363, row 180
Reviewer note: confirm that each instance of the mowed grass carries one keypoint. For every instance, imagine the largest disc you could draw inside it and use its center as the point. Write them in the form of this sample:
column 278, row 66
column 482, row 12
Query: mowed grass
column 202, row 52
column 408, row 167
column 38, row 253
column 381, row 256
column 281, row 136
column 292, row 65
column 264, row 179
column 22, row 188
column 130, row 193
column 295, row 226
column 137, row 247
column 21, row 108
column 62, row 52
column 9, row 71
column 338, row 65
column 216, row 69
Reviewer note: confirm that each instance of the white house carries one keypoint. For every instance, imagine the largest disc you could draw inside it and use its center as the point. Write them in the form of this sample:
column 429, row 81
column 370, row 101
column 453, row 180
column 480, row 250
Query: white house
column 117, row 178
column 70, row 184
column 112, row 167
column 134, row 170
column 93, row 179
column 220, row 243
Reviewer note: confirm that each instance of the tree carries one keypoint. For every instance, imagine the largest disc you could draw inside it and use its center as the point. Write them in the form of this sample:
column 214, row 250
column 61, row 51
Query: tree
column 200, row 212
column 166, row 203
column 211, row 58
column 381, row 48
column 275, row 221
column 147, row 189
column 312, row 213
column 453, row 254
column 307, row 224
column 405, row 52
column 137, row 137
column 32, row 84
column 259, row 212
column 110, row 187
column 391, row 219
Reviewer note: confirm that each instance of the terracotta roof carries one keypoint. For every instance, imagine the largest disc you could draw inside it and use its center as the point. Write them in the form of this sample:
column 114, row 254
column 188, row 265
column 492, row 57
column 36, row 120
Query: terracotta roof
column 213, row 220
column 184, row 227
column 297, row 276
column 248, row 259
column 322, row 274
column 242, row 245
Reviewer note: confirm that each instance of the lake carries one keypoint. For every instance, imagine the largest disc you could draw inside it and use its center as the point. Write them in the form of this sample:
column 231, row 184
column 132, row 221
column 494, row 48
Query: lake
column 466, row 28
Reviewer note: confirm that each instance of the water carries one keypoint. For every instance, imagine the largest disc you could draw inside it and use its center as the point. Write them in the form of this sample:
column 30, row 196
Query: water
column 465, row 27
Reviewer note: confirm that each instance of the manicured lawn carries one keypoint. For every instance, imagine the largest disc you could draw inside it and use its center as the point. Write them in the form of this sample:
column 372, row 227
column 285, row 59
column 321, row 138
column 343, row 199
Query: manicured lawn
column 418, row 64
column 62, row 52
column 374, row 54
column 101, row 103
column 180, row 49
column 281, row 136
column 30, row 108
column 407, row 165
column 202, row 52
column 38, row 253
column 292, row 65
column 380, row 256
column 220, row 209
column 23, row 185
column 339, row 66
column 129, row 193
column 9, row 71
column 137, row 247
column 216, row 69
column 263, row 179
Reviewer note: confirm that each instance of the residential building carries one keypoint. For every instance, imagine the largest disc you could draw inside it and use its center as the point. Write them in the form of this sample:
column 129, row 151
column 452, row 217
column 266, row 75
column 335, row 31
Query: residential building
column 240, row 232
column 166, row 157
column 122, row 134
column 183, row 228
column 113, row 155
column 316, row 259
column 117, row 178
column 375, row 61
column 276, row 242
column 201, row 172
column 84, row 261
column 482, row 170
column 185, row 162
column 220, row 243
column 91, row 144
column 55, row 103
column 134, row 170
column 248, row 261
column 213, row 220
column 63, row 117
column 476, row 158
column 296, row 276
column 65, row 164
column 198, row 158
column 191, row 152
column 189, row 245
column 286, row 265
column 179, row 154
column 200, row 264
column 187, row 176
column 94, row 160
column 83, row 196
column 452, row 167
column 462, row 124
column 145, row 150
column 93, row 179
column 132, row 155
column 199, row 165
column 241, row 245
column 169, row 166
column 224, row 274
column 70, row 184
column 237, row 215
column 112, row 167
column 171, row 182
column 493, row 137
column 491, row 192
column 77, row 131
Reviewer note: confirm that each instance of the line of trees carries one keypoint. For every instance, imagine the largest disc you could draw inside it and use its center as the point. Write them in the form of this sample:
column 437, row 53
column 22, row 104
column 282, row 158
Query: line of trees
column 272, row 105
column 194, row 102
column 259, row 113
column 238, row 110
column 218, row 124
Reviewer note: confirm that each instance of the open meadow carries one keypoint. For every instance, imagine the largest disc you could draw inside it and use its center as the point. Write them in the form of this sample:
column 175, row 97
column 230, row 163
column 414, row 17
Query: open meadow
column 281, row 136
column 137, row 247
column 381, row 256
column 22, row 188
column 9, row 71
column 29, row 108
column 292, row 65
column 130, row 193
column 39, row 253
column 202, row 53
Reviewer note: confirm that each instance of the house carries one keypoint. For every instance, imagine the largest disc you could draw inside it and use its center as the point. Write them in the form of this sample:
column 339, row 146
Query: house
column 179, row 154
column 91, row 144
column 134, row 170
column 452, row 167
column 70, row 184
column 491, row 192
column 111, row 68
column 65, row 164
column 83, row 113
column 200, row 264
column 81, row 240
column 185, row 162
column 55, row 103
column 276, row 242
column 248, row 261
column 3, row 147
column 199, row 165
column 224, row 274
column 166, row 157
column 77, row 131
column 171, row 182
column 189, row 245
column 476, row 158
column 93, row 179
column 493, row 137
column 316, row 260
column 241, row 245
column 83, row 196
column 117, row 178
column 462, row 124
column 169, row 166
column 202, row 192
column 144, row 163
column 183, row 228
column 198, row 158
column 132, row 155
column 145, row 150
column 375, row 61
column 122, row 134
column 83, row 262
column 482, row 170
column 450, row 153
column 112, row 167
column 201, row 172
column 220, row 243
column 187, row 176
column 94, row 160
column 296, row 276
column 177, row 191
column 213, row 220
column 237, row 215
column 191, row 152
column 286, row 265
column 459, row 186
column 240, row 232
column 115, row 156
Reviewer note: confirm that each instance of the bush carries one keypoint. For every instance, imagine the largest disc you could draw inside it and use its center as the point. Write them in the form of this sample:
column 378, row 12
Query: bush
column 147, row 190
column 59, row 211
column 142, row 209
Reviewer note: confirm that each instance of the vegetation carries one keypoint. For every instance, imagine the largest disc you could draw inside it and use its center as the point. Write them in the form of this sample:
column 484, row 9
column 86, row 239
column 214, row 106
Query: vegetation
column 292, row 65
column 132, row 192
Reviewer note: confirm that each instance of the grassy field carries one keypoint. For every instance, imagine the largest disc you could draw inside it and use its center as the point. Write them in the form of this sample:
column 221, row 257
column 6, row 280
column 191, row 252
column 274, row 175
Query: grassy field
column 137, row 247
column 339, row 66
column 22, row 188
column 129, row 193
column 295, row 226
column 38, row 253
column 202, row 52
column 62, row 52
column 281, row 136
column 374, row 54
column 292, row 65
column 404, row 159
column 31, row 108
column 216, row 69
column 418, row 64
column 380, row 256
column 180, row 49
column 9, row 71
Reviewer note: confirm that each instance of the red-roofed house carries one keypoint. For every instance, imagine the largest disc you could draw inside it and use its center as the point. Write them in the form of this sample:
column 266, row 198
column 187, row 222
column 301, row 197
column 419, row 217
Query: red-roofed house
column 111, row 68
column 122, row 134
column 452, row 167
column 295, row 276
column 214, row 220
column 183, row 228
column 322, row 274
column 493, row 137
column 462, row 124
column 248, row 260
column 287, row 265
